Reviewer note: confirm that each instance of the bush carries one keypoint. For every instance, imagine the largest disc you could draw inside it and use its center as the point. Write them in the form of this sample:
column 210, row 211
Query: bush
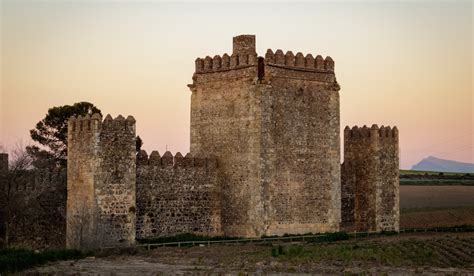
column 185, row 238
column 16, row 259
column 330, row 237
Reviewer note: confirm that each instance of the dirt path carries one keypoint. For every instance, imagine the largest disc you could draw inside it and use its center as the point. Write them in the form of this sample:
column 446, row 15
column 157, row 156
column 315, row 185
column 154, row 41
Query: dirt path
column 238, row 258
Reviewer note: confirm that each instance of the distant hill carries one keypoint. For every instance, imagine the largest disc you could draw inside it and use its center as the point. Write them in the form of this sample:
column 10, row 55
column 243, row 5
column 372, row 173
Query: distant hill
column 442, row 165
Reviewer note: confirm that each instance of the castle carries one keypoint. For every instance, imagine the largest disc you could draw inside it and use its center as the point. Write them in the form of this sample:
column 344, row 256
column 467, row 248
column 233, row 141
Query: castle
column 265, row 159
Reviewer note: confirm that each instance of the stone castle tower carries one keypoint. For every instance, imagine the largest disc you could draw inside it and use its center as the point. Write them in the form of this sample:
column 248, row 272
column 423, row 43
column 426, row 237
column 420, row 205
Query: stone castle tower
column 264, row 160
column 370, row 190
column 101, row 179
column 273, row 124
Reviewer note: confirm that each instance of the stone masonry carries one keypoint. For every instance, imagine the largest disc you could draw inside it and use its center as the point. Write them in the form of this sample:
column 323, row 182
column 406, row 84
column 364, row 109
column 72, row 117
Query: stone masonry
column 273, row 124
column 101, row 181
column 370, row 182
column 264, row 160
column 177, row 194
column 37, row 199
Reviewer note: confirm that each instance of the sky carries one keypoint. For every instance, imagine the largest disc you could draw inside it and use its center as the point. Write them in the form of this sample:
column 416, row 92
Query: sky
column 403, row 63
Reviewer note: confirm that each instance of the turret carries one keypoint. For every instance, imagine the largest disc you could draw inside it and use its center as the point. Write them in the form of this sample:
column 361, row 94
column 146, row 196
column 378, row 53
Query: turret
column 101, row 181
column 370, row 179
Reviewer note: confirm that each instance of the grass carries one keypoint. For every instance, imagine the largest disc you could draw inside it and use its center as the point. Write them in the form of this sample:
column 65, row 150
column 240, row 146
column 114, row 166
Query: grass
column 395, row 253
column 185, row 238
column 15, row 259
column 422, row 173
column 437, row 182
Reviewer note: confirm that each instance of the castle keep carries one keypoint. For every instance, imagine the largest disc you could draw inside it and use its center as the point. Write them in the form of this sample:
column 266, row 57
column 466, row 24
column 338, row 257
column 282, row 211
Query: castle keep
column 265, row 159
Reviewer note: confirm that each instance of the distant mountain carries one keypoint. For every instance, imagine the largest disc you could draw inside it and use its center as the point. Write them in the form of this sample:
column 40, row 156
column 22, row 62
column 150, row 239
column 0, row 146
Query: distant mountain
column 442, row 165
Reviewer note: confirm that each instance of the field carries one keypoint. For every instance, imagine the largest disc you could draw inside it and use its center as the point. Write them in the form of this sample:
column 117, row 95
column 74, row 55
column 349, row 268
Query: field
column 420, row 178
column 436, row 206
column 436, row 196
column 404, row 254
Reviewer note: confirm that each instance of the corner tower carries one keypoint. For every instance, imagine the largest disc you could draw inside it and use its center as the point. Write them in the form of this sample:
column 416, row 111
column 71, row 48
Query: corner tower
column 273, row 124
column 370, row 179
column 101, row 179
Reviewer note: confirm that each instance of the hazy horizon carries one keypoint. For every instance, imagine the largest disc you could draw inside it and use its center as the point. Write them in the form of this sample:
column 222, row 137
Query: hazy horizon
column 407, row 64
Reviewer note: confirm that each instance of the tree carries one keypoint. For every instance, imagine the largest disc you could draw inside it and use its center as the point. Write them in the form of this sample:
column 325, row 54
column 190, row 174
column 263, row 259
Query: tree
column 51, row 134
column 138, row 144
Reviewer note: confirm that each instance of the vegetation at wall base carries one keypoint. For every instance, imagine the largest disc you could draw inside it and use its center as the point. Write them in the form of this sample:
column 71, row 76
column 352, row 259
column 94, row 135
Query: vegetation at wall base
column 17, row 259
column 186, row 237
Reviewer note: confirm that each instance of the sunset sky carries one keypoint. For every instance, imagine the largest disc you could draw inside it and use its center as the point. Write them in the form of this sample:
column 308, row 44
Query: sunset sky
column 403, row 63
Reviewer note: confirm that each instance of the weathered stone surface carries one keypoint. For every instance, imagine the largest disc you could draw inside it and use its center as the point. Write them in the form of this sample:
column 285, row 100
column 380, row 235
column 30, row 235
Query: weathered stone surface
column 264, row 160
column 273, row 127
column 370, row 179
column 101, row 202
column 37, row 199
column 180, row 197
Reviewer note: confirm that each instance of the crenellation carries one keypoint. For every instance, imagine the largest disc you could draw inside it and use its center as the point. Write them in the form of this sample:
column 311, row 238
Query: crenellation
column 207, row 64
column 269, row 56
column 279, row 57
column 370, row 192
column 289, row 59
column 319, row 62
column 264, row 160
column 167, row 159
column 179, row 160
column 101, row 163
column 329, row 64
column 155, row 158
column 225, row 62
column 142, row 158
column 199, row 65
column 300, row 60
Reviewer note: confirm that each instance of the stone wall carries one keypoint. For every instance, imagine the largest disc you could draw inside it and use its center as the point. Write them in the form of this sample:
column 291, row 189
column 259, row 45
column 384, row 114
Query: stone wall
column 370, row 179
column 300, row 142
column 177, row 195
column 269, row 121
column 225, row 123
column 37, row 200
column 101, row 181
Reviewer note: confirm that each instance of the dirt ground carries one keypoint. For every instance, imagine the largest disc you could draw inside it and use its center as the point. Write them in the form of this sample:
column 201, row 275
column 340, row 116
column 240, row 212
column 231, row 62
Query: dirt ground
column 239, row 259
column 436, row 217
column 436, row 196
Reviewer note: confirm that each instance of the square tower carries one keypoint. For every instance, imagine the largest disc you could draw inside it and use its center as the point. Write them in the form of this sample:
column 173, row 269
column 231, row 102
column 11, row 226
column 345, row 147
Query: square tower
column 273, row 124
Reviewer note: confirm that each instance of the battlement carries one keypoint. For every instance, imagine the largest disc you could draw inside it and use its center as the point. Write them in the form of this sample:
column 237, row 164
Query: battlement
column 369, row 181
column 359, row 133
column 94, row 123
column 299, row 61
column 176, row 161
column 225, row 63
column 244, row 63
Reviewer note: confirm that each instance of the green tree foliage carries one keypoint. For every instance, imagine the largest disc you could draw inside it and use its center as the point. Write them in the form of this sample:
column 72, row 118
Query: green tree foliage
column 51, row 134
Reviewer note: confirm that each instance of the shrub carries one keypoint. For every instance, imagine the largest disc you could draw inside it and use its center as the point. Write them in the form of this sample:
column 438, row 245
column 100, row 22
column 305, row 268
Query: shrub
column 16, row 259
column 185, row 238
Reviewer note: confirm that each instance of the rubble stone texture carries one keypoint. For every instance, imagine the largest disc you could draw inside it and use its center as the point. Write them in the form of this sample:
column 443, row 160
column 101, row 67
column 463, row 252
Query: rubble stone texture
column 101, row 181
column 177, row 195
column 37, row 199
column 273, row 125
column 264, row 160
column 370, row 179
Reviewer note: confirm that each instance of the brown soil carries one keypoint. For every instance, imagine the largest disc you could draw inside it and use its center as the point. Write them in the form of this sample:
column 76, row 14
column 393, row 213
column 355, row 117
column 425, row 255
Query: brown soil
column 455, row 249
column 429, row 218
column 436, row 196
